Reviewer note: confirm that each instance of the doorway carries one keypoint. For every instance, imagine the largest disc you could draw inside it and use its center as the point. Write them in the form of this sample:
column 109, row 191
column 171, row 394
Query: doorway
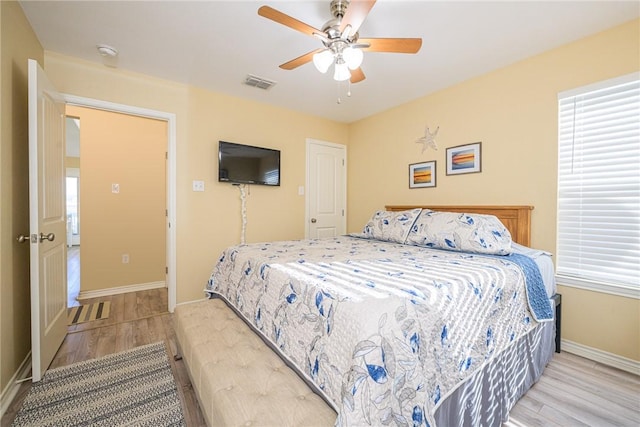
column 168, row 187
column 72, row 167
column 122, row 202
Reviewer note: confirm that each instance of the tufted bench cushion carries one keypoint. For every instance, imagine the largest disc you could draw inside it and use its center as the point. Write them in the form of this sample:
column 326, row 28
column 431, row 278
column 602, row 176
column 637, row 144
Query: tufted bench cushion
column 238, row 379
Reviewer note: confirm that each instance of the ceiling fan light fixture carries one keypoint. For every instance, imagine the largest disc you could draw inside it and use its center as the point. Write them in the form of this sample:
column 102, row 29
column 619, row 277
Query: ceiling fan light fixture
column 341, row 72
column 353, row 57
column 341, row 39
column 323, row 60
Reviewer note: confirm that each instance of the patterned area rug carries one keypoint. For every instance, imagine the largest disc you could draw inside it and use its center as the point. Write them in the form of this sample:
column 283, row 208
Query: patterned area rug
column 88, row 312
column 135, row 387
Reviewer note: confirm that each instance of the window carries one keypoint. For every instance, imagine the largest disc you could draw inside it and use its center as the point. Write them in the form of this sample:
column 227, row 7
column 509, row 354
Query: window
column 598, row 245
column 72, row 204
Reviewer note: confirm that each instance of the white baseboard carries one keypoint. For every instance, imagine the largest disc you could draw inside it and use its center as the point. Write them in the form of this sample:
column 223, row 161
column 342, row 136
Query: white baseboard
column 192, row 302
column 601, row 356
column 10, row 391
column 121, row 290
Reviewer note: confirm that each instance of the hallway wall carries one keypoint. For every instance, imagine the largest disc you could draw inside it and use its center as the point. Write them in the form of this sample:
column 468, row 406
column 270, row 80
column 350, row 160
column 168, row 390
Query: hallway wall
column 127, row 152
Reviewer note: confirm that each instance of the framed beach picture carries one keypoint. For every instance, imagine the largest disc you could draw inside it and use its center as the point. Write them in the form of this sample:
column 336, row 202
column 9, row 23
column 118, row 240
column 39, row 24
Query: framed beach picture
column 422, row 175
column 464, row 159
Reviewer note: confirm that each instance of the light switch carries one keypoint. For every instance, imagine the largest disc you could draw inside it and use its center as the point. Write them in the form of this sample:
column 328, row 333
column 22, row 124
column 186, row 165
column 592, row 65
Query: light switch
column 198, row 185
column 301, row 190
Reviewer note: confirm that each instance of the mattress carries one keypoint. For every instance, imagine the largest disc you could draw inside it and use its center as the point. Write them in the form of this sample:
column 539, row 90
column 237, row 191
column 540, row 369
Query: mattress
column 385, row 332
column 545, row 264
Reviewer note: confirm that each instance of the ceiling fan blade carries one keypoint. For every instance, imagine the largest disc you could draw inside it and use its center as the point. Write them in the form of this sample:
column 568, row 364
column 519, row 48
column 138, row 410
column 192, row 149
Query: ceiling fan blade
column 357, row 75
column 392, row 45
column 300, row 60
column 356, row 13
column 286, row 20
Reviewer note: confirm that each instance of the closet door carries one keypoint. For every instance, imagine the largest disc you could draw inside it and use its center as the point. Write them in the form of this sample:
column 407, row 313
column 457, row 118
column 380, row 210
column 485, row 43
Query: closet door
column 326, row 189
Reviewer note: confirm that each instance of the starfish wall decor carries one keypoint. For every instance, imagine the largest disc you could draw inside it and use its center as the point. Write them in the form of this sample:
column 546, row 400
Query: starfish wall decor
column 428, row 140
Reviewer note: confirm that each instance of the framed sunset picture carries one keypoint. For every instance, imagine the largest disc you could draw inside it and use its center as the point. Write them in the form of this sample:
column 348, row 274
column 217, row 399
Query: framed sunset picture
column 464, row 159
column 422, row 175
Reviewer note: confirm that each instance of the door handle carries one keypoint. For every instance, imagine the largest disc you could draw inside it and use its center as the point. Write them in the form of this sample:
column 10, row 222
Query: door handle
column 50, row 237
column 22, row 238
column 313, row 220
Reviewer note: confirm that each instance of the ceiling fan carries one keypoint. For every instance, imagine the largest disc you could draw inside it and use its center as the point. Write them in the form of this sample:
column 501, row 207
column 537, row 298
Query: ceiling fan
column 342, row 45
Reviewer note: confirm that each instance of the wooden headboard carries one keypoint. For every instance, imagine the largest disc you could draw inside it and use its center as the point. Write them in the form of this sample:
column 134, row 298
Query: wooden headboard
column 517, row 219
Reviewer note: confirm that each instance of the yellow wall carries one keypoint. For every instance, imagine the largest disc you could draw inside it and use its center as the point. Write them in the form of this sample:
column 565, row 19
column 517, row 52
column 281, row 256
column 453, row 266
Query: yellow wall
column 513, row 112
column 603, row 321
column 17, row 44
column 209, row 221
column 128, row 151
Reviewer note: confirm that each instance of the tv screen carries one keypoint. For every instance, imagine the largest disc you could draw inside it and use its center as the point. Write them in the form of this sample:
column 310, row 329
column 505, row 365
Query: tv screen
column 245, row 164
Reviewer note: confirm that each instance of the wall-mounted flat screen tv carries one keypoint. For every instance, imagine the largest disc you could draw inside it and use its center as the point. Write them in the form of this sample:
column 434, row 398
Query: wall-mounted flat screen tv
column 246, row 164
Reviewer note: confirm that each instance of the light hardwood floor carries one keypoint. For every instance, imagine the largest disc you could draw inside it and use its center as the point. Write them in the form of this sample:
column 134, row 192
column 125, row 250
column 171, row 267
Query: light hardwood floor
column 572, row 392
column 135, row 319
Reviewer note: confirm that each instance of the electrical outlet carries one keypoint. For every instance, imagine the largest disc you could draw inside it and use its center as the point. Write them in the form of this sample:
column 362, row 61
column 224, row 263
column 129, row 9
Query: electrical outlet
column 198, row 185
column 125, row 258
column 115, row 188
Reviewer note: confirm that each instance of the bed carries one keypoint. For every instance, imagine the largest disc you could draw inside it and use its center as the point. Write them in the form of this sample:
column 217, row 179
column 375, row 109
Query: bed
column 389, row 328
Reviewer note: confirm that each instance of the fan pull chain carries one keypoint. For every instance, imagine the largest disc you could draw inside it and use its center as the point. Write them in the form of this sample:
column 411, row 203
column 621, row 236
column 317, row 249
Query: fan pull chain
column 339, row 100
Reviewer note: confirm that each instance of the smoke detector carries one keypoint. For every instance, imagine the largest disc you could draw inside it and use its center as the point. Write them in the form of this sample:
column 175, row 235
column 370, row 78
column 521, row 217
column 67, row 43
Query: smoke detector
column 107, row 51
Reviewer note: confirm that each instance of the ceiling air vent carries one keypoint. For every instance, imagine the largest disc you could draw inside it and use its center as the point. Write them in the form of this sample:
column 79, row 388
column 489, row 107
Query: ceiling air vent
column 258, row 82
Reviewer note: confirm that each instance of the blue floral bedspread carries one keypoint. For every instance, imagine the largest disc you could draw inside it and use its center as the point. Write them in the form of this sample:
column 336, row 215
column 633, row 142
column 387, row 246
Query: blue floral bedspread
column 386, row 331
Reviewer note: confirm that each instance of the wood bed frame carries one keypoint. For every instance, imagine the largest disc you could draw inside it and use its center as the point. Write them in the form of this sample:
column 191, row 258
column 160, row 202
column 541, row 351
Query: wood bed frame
column 517, row 219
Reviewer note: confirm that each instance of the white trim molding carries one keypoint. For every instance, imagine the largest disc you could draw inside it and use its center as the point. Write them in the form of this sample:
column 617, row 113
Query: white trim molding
column 193, row 302
column 590, row 285
column 11, row 390
column 121, row 290
column 600, row 356
column 170, row 118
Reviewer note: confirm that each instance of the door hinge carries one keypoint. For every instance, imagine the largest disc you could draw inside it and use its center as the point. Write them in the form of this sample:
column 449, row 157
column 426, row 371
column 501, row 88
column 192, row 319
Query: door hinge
column 166, row 155
column 342, row 212
column 166, row 270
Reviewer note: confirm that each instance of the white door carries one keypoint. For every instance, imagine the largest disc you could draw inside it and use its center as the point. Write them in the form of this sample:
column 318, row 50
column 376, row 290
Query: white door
column 326, row 189
column 47, row 220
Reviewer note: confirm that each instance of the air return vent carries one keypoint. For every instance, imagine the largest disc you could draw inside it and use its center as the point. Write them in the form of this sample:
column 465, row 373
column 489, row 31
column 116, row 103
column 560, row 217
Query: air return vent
column 258, row 82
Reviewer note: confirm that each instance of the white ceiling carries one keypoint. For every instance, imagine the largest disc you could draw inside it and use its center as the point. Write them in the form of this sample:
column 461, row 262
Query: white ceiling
column 215, row 44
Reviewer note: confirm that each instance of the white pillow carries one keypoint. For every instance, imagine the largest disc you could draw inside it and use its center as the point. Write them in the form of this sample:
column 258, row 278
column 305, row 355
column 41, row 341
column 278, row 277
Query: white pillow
column 477, row 233
column 390, row 226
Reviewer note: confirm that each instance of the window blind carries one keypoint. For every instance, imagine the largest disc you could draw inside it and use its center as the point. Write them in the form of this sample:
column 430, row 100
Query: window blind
column 599, row 183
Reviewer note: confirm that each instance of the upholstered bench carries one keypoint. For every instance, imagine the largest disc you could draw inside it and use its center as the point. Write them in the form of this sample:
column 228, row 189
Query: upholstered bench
column 238, row 379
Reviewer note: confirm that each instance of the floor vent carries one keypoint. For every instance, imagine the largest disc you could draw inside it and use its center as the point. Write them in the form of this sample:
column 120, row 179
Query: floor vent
column 258, row 82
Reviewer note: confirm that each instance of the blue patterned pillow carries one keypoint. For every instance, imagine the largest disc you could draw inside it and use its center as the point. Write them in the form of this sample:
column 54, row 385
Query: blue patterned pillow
column 477, row 233
column 390, row 226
